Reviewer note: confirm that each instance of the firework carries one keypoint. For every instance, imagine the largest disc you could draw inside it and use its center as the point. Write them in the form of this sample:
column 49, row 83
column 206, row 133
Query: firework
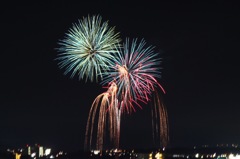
column 159, row 121
column 108, row 112
column 91, row 50
column 88, row 48
column 131, row 79
column 135, row 73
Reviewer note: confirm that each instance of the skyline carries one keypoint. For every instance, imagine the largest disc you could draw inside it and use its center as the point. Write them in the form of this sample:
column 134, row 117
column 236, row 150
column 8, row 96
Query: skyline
column 198, row 44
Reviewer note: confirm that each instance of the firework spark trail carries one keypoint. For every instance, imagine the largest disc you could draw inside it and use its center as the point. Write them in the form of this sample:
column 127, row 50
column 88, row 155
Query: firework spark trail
column 155, row 128
column 108, row 109
column 88, row 48
column 164, row 130
column 160, row 121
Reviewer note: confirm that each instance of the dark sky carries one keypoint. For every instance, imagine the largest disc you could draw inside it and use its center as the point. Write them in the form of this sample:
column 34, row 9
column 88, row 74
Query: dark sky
column 199, row 45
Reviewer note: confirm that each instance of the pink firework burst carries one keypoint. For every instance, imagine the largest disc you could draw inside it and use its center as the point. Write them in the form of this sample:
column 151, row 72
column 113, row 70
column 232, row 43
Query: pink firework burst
column 135, row 73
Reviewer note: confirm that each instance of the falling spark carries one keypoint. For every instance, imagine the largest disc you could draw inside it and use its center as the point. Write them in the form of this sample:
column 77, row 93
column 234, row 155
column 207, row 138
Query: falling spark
column 107, row 104
column 160, row 121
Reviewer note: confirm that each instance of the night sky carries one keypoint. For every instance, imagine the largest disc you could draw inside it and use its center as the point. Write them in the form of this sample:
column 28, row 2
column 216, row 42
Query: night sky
column 199, row 45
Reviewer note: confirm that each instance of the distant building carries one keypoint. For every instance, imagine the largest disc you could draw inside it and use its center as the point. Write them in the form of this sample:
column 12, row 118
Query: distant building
column 37, row 151
column 29, row 150
column 40, row 151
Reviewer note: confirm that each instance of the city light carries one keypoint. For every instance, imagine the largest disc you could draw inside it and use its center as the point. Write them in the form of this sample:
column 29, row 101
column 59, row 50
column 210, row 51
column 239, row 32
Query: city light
column 47, row 151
